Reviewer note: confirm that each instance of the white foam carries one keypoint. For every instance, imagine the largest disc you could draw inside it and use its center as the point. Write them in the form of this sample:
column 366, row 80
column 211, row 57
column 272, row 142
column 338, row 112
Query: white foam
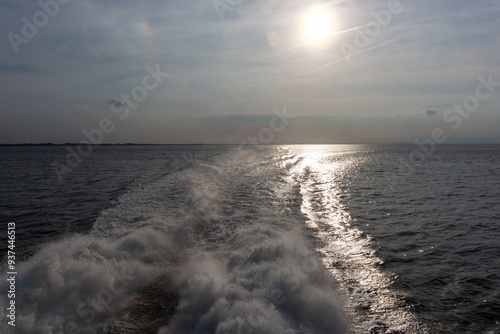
column 236, row 269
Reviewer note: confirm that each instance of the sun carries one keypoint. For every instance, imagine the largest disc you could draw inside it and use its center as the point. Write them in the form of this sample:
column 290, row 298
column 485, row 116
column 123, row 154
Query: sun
column 317, row 25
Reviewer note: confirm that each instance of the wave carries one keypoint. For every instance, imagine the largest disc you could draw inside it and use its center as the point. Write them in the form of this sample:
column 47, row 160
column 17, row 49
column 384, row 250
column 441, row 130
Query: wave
column 216, row 247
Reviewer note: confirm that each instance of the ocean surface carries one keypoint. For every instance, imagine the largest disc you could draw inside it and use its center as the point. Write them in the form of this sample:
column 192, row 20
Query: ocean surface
column 266, row 239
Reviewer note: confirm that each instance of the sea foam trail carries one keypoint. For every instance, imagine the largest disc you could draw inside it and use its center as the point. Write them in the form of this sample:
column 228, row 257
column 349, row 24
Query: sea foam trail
column 251, row 271
column 219, row 247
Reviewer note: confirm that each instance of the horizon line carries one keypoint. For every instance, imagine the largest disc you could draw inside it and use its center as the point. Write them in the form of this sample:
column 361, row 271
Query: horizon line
column 226, row 144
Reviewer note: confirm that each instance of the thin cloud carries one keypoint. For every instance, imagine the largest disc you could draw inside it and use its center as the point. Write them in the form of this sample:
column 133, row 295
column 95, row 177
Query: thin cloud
column 118, row 103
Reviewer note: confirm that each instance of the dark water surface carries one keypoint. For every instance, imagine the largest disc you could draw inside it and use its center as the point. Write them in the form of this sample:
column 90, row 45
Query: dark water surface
column 275, row 239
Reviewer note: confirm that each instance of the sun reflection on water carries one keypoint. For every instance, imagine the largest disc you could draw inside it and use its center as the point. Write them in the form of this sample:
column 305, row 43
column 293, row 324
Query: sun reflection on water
column 347, row 253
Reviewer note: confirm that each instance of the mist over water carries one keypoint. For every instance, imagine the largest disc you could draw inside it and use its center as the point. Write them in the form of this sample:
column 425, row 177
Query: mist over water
column 279, row 239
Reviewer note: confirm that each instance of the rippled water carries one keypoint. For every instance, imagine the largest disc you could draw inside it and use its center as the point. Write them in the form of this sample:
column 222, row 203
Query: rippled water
column 274, row 239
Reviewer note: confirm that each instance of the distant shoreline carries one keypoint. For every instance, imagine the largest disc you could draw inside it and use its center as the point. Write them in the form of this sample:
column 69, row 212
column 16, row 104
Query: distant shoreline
column 200, row 144
column 76, row 144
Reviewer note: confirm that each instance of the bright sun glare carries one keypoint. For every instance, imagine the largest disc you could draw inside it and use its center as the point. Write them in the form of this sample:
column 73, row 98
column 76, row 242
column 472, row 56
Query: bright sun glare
column 317, row 26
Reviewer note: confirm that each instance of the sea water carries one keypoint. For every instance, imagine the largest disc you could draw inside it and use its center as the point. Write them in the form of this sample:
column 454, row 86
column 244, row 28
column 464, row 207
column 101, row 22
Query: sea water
column 254, row 239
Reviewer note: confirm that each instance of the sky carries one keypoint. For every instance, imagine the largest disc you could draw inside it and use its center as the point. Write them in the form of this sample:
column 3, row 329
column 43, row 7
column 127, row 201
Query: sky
column 247, row 71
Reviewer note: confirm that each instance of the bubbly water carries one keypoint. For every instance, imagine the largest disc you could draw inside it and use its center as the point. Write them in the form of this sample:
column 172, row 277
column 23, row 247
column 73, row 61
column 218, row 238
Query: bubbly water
column 271, row 239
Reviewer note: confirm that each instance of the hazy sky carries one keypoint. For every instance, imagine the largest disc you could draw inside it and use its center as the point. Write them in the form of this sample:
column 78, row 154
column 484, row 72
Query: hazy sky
column 385, row 72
